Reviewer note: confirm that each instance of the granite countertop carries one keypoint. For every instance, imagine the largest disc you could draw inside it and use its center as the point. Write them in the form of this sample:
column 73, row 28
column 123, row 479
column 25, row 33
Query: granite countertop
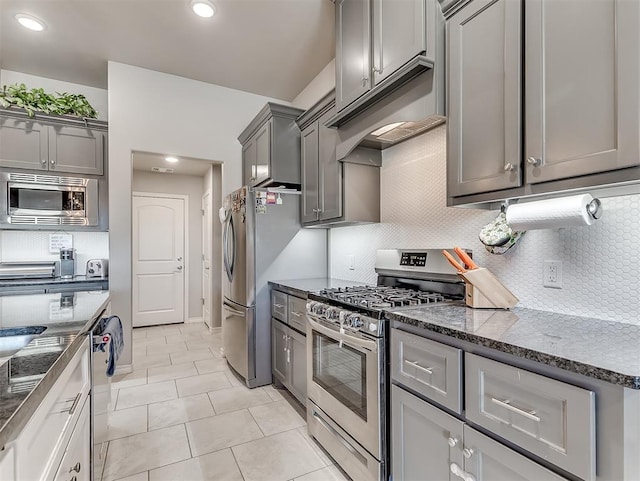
column 305, row 286
column 28, row 375
column 50, row 280
column 605, row 350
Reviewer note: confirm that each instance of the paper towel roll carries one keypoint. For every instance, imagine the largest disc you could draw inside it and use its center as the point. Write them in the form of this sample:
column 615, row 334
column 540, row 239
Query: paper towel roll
column 551, row 214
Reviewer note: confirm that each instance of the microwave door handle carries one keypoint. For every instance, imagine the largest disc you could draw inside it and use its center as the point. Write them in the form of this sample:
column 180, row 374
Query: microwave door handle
column 337, row 336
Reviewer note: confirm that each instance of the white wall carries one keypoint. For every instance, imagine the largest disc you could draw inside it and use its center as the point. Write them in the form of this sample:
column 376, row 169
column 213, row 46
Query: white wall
column 192, row 187
column 155, row 112
column 600, row 262
column 34, row 246
column 98, row 98
column 317, row 88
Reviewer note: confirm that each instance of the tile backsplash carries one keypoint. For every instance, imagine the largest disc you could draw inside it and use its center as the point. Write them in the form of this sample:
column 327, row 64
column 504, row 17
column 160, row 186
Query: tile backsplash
column 34, row 246
column 600, row 263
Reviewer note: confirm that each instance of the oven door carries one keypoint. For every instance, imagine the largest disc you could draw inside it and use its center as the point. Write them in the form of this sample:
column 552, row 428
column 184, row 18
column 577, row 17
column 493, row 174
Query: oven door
column 345, row 377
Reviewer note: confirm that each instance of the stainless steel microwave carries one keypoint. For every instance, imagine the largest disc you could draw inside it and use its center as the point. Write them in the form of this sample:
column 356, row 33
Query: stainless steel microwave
column 47, row 200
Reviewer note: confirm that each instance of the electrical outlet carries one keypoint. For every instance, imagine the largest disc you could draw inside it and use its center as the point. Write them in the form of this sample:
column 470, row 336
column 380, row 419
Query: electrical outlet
column 351, row 262
column 552, row 275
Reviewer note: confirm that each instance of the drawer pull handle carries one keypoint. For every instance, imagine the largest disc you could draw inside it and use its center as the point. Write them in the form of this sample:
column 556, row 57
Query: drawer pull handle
column 507, row 405
column 279, row 306
column 297, row 314
column 428, row 370
column 461, row 473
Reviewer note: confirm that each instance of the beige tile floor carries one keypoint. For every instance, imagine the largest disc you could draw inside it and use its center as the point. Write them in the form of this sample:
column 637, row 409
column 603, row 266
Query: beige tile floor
column 182, row 415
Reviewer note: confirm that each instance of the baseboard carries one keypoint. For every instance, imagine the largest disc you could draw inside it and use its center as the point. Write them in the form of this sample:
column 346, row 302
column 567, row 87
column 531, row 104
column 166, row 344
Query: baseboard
column 193, row 319
column 124, row 369
column 216, row 329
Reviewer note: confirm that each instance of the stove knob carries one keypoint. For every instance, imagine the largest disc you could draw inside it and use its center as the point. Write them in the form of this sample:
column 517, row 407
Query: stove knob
column 355, row 322
column 373, row 327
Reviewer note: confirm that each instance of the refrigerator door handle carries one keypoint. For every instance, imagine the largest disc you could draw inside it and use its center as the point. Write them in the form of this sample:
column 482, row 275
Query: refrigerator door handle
column 227, row 307
column 225, row 249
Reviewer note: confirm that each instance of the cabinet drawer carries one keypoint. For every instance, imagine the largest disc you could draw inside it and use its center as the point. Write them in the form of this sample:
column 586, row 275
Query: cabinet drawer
column 279, row 304
column 49, row 429
column 298, row 313
column 549, row 418
column 428, row 367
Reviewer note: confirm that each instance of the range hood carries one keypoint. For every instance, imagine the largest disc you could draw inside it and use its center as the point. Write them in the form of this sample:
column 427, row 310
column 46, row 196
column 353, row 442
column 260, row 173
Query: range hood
column 404, row 108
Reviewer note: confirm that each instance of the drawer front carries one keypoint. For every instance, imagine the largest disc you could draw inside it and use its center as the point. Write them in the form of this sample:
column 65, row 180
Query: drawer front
column 49, row 429
column 549, row 418
column 279, row 304
column 490, row 461
column 428, row 367
column 298, row 313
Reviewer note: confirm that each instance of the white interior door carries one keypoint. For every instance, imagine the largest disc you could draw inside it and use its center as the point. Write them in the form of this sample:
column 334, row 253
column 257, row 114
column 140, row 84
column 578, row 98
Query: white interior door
column 206, row 258
column 158, row 260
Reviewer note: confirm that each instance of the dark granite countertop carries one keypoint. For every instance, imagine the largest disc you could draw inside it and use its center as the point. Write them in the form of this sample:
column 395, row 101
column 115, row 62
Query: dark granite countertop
column 28, row 375
column 47, row 281
column 605, row 350
column 302, row 287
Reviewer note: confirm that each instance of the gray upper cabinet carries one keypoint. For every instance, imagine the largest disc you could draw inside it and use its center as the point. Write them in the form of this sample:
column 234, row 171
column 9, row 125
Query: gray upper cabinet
column 310, row 174
column 271, row 147
column 58, row 146
column 484, row 96
column 23, row 144
column 580, row 119
column 398, row 35
column 375, row 39
column 353, row 59
column 76, row 150
column 330, row 171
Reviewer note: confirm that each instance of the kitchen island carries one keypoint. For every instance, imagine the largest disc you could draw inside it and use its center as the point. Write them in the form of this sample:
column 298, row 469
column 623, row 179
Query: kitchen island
column 27, row 377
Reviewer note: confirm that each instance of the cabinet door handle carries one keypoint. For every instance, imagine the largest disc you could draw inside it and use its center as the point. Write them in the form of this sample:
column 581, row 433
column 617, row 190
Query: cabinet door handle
column 509, row 167
column 73, row 407
column 364, row 81
column 461, row 473
column 297, row 314
column 53, row 162
column 428, row 370
column 75, row 468
column 44, row 162
column 534, row 162
column 506, row 403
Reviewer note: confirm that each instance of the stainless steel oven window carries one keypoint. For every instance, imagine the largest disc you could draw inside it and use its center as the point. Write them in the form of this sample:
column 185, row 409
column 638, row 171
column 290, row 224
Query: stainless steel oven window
column 341, row 371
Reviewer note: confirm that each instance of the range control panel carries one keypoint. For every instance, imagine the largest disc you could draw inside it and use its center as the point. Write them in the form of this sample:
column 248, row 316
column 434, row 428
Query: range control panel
column 413, row 259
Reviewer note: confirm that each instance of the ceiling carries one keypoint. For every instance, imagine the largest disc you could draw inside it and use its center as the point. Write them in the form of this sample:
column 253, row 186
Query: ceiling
column 268, row 47
column 145, row 161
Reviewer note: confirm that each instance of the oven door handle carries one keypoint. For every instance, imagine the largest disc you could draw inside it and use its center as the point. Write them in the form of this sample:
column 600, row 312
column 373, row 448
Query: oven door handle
column 338, row 336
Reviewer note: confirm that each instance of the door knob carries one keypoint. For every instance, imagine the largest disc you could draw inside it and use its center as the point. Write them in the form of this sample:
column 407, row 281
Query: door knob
column 179, row 268
column 179, row 259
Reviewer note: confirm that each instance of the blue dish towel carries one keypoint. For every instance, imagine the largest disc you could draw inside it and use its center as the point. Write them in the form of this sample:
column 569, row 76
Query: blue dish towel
column 112, row 326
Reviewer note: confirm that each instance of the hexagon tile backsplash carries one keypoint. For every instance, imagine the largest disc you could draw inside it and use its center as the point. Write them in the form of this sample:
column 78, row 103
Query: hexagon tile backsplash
column 601, row 263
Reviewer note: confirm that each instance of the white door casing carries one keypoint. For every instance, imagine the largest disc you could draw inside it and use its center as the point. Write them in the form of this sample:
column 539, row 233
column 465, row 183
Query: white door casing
column 158, row 258
column 206, row 258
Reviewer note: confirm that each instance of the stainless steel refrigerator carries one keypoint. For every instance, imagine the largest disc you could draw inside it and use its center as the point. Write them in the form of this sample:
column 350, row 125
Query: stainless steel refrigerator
column 262, row 241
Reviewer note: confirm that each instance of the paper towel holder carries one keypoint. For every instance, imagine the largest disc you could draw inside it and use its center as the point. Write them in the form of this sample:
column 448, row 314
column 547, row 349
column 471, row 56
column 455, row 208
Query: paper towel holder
column 594, row 208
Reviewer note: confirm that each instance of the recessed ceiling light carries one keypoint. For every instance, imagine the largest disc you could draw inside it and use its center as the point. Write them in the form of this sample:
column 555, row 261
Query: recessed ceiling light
column 30, row 22
column 203, row 8
column 173, row 160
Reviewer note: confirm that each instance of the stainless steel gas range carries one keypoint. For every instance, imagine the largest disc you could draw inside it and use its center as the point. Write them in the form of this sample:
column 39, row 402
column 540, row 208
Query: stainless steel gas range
column 347, row 355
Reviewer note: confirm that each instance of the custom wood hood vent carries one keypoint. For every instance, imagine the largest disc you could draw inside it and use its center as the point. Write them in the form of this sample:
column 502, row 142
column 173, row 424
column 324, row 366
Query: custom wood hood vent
column 411, row 109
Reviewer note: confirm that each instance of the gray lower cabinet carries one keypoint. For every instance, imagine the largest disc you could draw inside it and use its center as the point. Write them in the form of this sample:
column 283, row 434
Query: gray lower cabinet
column 289, row 359
column 484, row 144
column 579, row 124
column 271, row 147
column 421, row 433
column 51, row 146
column 431, row 445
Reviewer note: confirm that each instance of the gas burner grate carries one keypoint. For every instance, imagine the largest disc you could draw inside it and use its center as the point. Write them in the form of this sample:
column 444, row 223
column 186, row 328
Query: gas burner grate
column 381, row 297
